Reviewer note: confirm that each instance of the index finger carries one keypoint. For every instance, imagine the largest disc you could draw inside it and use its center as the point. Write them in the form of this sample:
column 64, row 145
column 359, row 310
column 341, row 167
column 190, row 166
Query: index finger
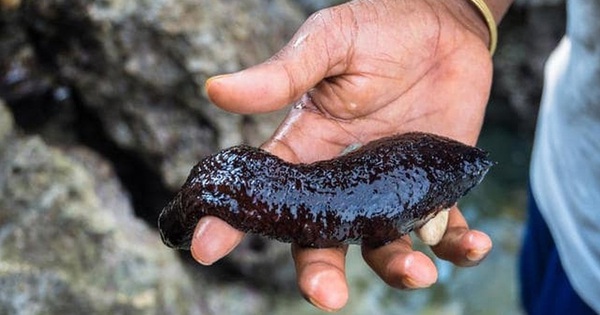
column 214, row 238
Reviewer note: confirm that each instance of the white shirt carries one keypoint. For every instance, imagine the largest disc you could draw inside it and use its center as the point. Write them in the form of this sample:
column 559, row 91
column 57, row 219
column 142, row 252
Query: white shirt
column 565, row 171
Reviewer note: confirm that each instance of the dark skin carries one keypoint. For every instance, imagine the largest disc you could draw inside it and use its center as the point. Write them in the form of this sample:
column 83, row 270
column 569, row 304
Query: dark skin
column 358, row 72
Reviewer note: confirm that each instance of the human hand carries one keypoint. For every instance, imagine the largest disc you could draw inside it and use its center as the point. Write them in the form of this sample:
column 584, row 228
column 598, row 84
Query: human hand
column 361, row 71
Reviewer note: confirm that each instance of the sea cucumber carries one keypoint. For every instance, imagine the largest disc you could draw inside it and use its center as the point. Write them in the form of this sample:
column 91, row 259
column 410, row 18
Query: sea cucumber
column 372, row 195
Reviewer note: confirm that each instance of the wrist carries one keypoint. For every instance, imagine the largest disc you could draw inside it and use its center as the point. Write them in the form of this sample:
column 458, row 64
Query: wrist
column 480, row 17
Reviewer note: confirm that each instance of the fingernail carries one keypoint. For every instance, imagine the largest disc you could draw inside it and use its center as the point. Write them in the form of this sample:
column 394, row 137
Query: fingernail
column 198, row 248
column 211, row 80
column 476, row 255
column 328, row 290
column 320, row 306
column 206, row 246
column 480, row 248
column 418, row 279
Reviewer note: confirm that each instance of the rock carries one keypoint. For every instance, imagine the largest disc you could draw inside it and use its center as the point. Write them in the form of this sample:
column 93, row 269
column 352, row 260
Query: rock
column 69, row 242
column 6, row 124
column 124, row 78
column 39, row 102
column 265, row 263
column 528, row 34
column 140, row 67
column 539, row 3
column 311, row 6
column 9, row 4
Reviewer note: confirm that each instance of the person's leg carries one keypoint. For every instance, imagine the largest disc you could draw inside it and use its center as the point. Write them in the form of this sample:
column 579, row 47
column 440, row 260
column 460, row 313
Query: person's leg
column 545, row 288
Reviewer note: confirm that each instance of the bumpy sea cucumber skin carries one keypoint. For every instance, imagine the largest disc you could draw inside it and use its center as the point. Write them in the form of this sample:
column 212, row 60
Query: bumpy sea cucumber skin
column 373, row 195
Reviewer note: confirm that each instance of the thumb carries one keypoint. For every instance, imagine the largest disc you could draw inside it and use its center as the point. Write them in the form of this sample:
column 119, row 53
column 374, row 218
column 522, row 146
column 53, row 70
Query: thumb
column 314, row 53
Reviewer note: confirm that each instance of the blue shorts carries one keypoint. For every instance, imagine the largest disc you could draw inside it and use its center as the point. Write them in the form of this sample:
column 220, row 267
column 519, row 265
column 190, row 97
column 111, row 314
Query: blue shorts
column 545, row 288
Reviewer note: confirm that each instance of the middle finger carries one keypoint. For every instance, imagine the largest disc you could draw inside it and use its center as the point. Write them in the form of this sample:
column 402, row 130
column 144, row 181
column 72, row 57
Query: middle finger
column 400, row 266
column 321, row 275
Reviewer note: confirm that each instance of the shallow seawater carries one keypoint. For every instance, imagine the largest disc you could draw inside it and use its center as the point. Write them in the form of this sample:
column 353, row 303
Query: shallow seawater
column 497, row 207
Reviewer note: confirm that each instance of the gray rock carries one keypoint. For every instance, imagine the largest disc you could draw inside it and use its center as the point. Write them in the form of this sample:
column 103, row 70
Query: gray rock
column 69, row 242
column 540, row 3
column 311, row 6
column 140, row 67
column 528, row 34
column 6, row 124
column 28, row 85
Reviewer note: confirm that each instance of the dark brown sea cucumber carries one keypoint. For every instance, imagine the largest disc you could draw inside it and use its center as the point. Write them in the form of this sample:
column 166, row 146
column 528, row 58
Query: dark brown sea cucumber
column 372, row 195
